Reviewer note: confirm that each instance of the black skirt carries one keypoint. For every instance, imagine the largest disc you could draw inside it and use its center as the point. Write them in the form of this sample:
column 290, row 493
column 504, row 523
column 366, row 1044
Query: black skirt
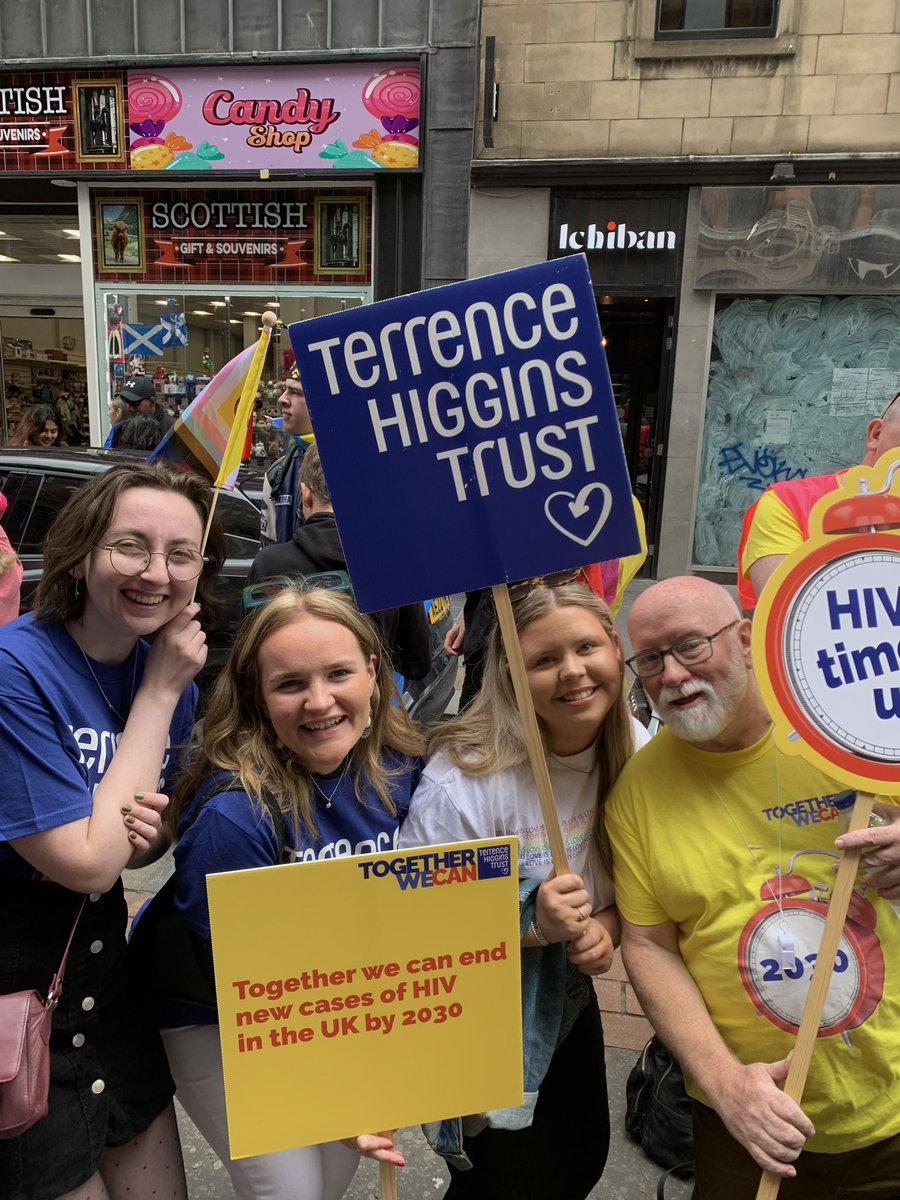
column 109, row 1078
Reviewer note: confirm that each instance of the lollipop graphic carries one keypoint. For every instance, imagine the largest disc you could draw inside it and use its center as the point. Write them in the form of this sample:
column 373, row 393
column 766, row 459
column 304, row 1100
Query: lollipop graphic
column 153, row 98
column 393, row 97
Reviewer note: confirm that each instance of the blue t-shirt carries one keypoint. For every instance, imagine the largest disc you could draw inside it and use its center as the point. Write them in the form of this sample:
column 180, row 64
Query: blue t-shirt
column 232, row 832
column 58, row 733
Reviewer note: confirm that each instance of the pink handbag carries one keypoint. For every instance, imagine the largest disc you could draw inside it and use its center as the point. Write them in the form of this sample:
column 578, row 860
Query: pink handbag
column 25, row 1021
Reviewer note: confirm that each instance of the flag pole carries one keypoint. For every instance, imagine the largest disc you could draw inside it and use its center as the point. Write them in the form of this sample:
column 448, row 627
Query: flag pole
column 231, row 459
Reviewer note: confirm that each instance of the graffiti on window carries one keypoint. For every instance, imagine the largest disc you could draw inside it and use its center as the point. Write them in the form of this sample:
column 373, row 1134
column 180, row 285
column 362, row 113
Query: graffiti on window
column 793, row 382
column 763, row 468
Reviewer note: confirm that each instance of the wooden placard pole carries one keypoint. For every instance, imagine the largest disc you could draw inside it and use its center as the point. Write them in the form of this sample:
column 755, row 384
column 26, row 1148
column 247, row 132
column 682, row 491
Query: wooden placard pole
column 388, row 1176
column 821, row 980
column 536, row 755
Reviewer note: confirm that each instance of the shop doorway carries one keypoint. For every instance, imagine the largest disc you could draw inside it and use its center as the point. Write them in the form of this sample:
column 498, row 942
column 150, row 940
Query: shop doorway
column 637, row 335
column 43, row 364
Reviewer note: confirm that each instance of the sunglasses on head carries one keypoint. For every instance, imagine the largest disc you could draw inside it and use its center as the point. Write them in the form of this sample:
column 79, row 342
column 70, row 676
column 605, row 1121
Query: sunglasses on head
column 524, row 587
column 257, row 594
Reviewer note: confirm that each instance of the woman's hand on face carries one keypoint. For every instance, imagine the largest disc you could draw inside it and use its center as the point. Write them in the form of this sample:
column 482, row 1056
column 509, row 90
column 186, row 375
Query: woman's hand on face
column 178, row 652
column 142, row 817
column 562, row 906
column 592, row 952
column 377, row 1146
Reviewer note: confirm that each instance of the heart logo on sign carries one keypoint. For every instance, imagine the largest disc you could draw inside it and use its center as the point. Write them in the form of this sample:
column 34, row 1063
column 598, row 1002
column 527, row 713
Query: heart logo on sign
column 587, row 504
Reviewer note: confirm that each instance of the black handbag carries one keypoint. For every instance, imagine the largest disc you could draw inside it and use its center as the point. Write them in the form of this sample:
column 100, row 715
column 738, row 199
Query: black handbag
column 658, row 1110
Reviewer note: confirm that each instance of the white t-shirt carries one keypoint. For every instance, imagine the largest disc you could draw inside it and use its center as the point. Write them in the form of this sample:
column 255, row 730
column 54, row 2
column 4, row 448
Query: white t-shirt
column 452, row 806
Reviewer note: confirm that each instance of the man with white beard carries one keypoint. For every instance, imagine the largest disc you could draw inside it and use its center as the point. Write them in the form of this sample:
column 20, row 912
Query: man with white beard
column 724, row 854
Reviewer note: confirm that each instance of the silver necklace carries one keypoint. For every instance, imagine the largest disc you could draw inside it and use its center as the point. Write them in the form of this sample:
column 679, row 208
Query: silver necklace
column 109, row 704
column 325, row 796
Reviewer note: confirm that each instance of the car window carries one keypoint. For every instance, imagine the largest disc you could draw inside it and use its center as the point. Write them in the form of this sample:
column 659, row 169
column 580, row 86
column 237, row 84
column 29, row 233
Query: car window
column 240, row 520
column 20, row 490
column 54, row 493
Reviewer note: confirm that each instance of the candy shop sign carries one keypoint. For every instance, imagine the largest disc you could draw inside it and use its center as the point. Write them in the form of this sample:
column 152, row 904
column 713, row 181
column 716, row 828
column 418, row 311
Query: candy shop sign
column 345, row 115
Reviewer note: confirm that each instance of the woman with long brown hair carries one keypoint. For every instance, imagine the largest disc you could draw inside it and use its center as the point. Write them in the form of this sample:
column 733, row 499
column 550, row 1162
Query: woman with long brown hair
column 91, row 720
column 304, row 756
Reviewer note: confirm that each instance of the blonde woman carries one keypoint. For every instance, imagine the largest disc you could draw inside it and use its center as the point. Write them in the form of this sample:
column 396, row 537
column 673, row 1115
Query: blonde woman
column 478, row 784
column 303, row 757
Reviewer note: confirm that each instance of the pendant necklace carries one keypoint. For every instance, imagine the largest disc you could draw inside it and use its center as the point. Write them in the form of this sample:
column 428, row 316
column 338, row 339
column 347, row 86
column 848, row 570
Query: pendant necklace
column 109, row 704
column 325, row 796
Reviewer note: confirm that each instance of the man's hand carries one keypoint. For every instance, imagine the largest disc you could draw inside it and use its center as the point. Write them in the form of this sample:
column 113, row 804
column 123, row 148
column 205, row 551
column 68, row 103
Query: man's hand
column 766, row 1122
column 881, row 852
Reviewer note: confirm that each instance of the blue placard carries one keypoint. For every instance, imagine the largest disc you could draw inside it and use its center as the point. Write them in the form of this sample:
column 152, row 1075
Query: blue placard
column 468, row 434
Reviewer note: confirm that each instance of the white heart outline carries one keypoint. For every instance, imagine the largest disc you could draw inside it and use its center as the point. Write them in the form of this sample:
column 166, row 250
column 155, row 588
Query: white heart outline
column 579, row 502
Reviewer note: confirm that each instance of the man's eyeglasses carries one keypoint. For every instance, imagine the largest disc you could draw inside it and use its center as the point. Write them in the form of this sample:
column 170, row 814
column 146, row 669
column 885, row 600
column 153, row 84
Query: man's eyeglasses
column 131, row 558
column 890, row 405
column 689, row 651
column 524, row 587
column 256, row 594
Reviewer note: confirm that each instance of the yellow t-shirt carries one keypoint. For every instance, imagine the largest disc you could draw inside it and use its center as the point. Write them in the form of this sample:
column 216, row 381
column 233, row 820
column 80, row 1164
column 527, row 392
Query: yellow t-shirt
column 708, row 841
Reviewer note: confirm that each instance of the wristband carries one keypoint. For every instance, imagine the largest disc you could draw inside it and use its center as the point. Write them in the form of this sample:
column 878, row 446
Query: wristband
column 538, row 932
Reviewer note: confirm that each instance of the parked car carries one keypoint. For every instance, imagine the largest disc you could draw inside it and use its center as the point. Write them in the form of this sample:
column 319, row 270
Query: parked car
column 37, row 481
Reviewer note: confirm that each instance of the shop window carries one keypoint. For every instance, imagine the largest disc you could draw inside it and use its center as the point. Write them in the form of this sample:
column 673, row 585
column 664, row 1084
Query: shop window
column 716, row 18
column 793, row 382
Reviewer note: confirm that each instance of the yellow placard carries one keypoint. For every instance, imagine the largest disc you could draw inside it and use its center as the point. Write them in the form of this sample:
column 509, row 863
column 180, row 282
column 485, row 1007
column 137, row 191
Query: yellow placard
column 367, row 993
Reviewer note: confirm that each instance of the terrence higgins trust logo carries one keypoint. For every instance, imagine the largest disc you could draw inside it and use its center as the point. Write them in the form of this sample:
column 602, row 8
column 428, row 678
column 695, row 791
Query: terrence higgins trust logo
column 439, row 868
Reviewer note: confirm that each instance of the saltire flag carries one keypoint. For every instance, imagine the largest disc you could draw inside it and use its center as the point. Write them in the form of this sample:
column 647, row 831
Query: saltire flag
column 174, row 328
column 209, row 436
column 143, row 339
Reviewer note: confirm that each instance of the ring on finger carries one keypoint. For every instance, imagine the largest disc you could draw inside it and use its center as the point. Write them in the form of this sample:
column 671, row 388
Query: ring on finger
column 581, row 916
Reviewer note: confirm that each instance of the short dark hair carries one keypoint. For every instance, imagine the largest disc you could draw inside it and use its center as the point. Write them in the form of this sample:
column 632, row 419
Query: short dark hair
column 313, row 476
column 136, row 431
column 83, row 521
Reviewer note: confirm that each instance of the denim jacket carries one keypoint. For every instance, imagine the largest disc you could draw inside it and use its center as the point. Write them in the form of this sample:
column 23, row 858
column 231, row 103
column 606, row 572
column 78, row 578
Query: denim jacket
column 553, row 995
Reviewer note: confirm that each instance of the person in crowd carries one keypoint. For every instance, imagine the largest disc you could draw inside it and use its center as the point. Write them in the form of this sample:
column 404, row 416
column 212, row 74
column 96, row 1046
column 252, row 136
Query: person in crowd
column 38, row 427
column 478, row 784
column 468, row 638
column 91, row 719
column 116, row 408
column 140, row 395
column 281, row 509
column 137, row 431
column 704, row 823
column 303, row 757
column 316, row 547
column 10, row 574
column 778, row 522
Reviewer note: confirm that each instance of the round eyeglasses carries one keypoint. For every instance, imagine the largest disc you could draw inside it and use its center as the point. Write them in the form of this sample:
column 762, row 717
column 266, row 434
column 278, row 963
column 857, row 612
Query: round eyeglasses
column 131, row 558
column 689, row 651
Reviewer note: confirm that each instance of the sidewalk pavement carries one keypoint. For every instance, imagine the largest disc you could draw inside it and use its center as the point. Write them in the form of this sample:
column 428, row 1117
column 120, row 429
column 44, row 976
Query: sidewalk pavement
column 629, row 1175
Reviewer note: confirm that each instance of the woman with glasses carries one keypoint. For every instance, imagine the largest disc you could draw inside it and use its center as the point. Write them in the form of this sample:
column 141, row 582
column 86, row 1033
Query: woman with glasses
column 303, row 757
column 478, row 784
column 91, row 720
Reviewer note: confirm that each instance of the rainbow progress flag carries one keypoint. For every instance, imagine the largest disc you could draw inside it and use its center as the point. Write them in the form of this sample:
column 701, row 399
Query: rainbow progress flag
column 209, row 436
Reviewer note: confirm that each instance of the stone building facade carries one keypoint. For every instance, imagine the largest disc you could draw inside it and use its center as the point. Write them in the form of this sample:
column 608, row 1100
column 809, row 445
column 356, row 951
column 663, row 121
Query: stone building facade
column 754, row 343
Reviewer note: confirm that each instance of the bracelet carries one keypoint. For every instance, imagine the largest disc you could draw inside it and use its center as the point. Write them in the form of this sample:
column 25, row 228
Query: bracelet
column 538, row 932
